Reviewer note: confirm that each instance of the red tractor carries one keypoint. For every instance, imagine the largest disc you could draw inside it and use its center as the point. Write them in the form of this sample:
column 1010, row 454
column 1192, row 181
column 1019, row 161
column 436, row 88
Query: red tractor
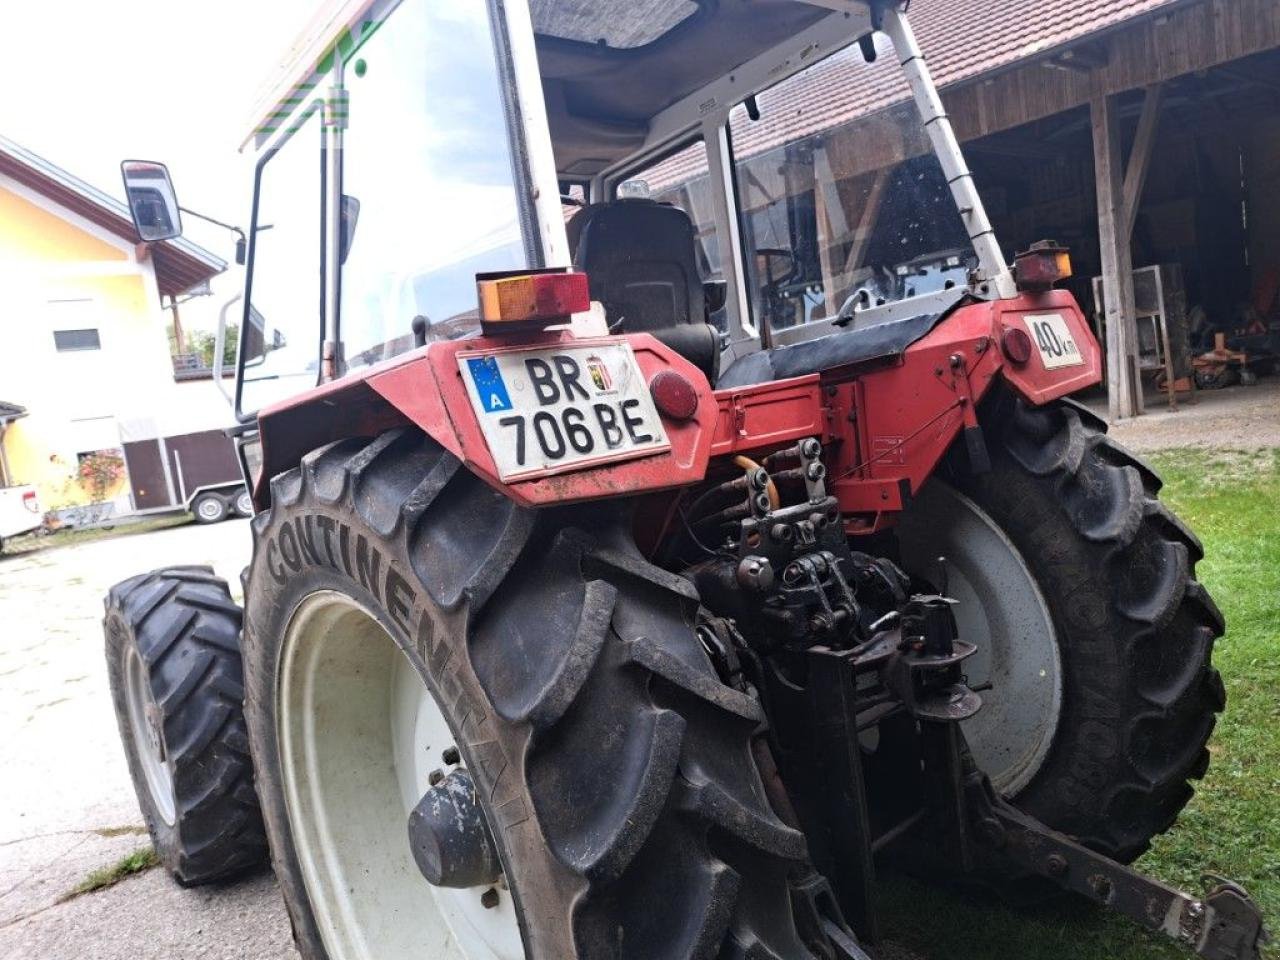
column 667, row 517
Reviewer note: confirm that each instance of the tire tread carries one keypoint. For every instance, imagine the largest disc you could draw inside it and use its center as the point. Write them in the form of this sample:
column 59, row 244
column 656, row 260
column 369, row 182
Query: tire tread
column 187, row 629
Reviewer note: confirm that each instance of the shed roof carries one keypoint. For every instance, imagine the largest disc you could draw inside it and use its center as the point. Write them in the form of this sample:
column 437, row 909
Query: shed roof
column 10, row 412
column 963, row 40
column 180, row 264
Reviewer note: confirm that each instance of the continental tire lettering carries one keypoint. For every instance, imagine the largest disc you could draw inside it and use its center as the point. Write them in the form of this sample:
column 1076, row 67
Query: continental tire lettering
column 446, row 682
column 427, row 645
column 468, row 714
column 327, row 526
column 289, row 548
column 368, row 563
column 506, row 803
column 400, row 600
column 307, row 540
column 276, row 568
column 344, row 543
column 318, row 540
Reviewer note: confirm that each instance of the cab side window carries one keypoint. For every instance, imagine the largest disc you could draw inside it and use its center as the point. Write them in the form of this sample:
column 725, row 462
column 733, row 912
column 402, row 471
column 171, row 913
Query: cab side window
column 681, row 180
column 280, row 333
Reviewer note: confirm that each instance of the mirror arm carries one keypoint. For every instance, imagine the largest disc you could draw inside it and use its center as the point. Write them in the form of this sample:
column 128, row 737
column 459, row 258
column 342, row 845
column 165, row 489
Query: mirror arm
column 226, row 226
column 219, row 342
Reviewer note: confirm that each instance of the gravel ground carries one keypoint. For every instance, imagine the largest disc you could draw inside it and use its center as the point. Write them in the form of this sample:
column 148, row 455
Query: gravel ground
column 66, row 803
column 1236, row 418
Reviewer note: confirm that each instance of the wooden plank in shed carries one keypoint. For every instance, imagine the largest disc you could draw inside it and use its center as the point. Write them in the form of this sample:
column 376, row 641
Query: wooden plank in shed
column 1135, row 177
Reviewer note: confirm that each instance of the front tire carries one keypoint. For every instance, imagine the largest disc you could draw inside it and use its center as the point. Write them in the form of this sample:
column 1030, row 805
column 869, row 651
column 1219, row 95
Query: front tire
column 613, row 769
column 1131, row 629
column 173, row 661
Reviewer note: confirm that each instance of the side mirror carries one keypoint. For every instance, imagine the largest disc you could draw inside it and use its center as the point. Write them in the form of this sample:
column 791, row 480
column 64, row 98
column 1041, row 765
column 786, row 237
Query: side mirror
column 253, row 339
column 153, row 203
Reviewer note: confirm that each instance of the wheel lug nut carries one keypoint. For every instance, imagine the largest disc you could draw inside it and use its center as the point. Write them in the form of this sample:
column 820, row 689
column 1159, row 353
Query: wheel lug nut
column 451, row 756
column 489, row 899
column 435, row 776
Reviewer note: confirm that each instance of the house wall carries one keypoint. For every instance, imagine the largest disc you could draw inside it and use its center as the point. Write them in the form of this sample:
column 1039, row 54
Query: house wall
column 59, row 272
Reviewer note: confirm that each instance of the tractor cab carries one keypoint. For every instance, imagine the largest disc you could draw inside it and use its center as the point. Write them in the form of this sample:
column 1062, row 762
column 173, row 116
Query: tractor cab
column 677, row 153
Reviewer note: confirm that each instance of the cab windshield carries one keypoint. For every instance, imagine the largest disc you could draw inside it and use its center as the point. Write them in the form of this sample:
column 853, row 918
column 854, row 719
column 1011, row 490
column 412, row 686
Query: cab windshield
column 834, row 217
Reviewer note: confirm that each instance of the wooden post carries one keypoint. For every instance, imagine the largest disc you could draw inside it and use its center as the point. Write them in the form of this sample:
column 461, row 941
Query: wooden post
column 1124, row 392
column 867, row 221
column 1135, row 176
column 179, row 337
column 832, row 225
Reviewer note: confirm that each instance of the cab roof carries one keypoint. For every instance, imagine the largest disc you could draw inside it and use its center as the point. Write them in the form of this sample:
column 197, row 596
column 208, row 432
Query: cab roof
column 607, row 65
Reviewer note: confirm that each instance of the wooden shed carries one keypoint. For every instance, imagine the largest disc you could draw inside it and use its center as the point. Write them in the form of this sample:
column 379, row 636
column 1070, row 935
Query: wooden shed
column 1143, row 134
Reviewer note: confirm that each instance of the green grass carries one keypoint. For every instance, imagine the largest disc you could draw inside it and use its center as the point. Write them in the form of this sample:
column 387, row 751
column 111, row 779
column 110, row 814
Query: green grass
column 1232, row 826
column 144, row 858
column 30, row 543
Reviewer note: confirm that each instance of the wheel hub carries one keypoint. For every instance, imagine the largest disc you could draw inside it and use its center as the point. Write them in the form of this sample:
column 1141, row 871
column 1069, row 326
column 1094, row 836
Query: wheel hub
column 450, row 839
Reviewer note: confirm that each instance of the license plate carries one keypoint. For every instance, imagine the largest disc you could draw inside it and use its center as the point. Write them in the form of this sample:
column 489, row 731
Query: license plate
column 546, row 411
column 1053, row 339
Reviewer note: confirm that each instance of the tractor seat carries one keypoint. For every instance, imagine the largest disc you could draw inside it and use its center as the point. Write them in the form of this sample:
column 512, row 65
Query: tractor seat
column 641, row 262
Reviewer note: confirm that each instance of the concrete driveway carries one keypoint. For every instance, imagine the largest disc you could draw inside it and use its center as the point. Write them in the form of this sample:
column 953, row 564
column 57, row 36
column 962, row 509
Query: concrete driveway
column 67, row 806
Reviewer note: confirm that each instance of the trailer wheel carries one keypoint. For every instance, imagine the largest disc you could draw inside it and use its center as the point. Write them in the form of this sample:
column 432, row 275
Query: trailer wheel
column 209, row 508
column 416, row 642
column 1081, row 586
column 243, row 504
column 173, row 660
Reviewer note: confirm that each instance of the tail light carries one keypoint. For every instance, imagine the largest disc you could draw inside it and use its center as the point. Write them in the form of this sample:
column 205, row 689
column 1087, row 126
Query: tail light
column 674, row 395
column 516, row 302
column 1040, row 267
column 30, row 502
column 1016, row 345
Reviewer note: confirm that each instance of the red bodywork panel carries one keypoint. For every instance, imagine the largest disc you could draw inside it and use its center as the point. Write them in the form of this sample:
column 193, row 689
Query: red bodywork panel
column 425, row 388
column 886, row 423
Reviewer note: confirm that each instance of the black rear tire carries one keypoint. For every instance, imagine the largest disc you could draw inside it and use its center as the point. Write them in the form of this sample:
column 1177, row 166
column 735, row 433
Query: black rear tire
column 184, row 626
column 1135, row 629
column 613, row 767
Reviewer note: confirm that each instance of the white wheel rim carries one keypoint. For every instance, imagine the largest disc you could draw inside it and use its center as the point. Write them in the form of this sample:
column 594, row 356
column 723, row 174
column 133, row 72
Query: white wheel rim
column 359, row 735
column 244, row 504
column 1002, row 610
column 144, row 721
column 209, row 508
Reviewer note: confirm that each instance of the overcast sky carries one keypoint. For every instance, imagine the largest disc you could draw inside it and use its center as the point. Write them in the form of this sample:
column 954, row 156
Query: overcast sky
column 88, row 83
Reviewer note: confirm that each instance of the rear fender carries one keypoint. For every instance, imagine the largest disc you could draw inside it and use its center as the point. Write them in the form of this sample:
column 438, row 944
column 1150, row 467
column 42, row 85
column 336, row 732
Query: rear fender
column 903, row 417
column 425, row 388
column 1032, row 380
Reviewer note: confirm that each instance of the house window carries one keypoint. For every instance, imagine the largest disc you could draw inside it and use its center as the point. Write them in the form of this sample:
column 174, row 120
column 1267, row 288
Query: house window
column 85, row 339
